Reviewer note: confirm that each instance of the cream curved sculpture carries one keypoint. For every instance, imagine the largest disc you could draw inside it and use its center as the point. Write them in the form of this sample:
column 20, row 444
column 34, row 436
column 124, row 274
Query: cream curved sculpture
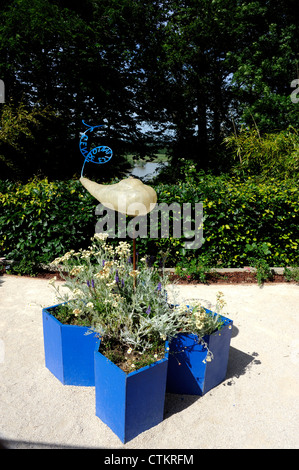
column 130, row 196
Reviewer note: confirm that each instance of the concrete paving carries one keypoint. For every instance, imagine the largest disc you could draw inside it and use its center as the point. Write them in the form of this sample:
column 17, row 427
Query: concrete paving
column 255, row 407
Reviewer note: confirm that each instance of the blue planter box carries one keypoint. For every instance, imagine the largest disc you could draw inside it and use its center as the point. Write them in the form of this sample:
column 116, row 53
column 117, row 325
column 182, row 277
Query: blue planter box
column 188, row 371
column 69, row 352
column 129, row 403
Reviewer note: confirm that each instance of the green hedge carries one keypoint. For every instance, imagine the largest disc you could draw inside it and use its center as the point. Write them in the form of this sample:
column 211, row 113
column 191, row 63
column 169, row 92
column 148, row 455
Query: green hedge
column 242, row 218
column 41, row 220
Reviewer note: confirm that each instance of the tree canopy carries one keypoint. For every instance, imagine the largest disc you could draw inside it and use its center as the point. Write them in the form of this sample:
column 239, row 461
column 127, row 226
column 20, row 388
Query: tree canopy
column 181, row 74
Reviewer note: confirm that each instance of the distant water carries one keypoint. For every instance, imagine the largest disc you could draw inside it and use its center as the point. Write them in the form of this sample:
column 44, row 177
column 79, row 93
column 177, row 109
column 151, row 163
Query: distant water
column 147, row 171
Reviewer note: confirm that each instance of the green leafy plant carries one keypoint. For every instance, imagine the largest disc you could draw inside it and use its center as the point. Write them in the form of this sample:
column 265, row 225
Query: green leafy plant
column 42, row 218
column 263, row 270
column 17, row 121
column 193, row 269
column 272, row 154
column 291, row 274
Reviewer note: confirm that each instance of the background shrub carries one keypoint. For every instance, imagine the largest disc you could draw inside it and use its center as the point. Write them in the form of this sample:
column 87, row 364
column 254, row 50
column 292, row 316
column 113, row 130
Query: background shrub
column 243, row 220
column 273, row 154
column 240, row 218
column 42, row 219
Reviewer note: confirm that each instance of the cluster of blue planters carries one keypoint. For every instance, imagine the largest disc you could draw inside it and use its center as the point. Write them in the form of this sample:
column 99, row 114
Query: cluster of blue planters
column 130, row 403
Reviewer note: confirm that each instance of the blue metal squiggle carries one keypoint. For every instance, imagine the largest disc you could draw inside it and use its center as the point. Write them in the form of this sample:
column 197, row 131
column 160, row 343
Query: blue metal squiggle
column 93, row 155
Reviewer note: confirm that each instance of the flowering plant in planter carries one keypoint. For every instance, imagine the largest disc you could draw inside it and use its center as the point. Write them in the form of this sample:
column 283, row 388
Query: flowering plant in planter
column 201, row 322
column 129, row 311
column 206, row 335
column 128, row 308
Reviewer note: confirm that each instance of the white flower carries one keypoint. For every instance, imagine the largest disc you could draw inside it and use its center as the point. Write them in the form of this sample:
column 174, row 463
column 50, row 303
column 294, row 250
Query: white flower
column 100, row 236
column 134, row 273
column 66, row 256
column 53, row 280
column 89, row 305
column 76, row 270
column 123, row 249
column 181, row 309
column 76, row 311
column 129, row 351
column 77, row 292
column 199, row 324
column 56, row 261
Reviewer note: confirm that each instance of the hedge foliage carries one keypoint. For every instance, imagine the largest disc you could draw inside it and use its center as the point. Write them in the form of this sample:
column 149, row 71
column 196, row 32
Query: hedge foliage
column 243, row 219
column 269, row 155
column 41, row 220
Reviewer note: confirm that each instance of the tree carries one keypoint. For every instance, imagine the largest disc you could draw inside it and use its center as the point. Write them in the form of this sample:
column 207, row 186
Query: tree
column 186, row 78
column 17, row 125
column 264, row 63
column 190, row 69
column 75, row 60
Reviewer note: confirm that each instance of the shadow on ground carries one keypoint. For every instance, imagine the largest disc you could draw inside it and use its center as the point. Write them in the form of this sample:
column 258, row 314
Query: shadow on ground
column 238, row 364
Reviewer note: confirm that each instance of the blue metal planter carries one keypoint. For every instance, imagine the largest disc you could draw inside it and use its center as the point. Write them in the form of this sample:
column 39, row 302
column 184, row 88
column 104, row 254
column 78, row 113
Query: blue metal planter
column 69, row 352
column 129, row 403
column 188, row 371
